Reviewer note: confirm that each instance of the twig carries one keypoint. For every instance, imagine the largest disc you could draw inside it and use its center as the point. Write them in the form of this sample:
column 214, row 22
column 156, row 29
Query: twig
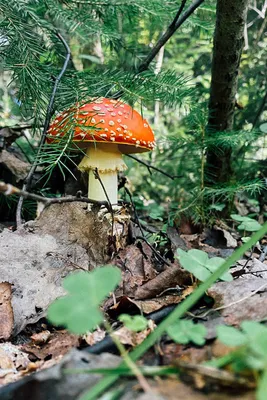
column 149, row 166
column 154, row 250
column 48, row 116
column 134, row 209
column 142, row 232
column 97, row 176
column 176, row 23
column 179, row 12
column 8, row 189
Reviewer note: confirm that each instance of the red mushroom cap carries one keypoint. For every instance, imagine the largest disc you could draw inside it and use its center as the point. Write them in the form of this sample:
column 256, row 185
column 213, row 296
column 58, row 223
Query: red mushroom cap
column 106, row 121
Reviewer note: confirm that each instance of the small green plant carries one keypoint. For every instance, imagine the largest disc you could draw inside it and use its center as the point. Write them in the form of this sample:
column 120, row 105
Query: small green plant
column 136, row 323
column 176, row 314
column 250, row 352
column 200, row 265
column 79, row 310
column 247, row 223
column 184, row 331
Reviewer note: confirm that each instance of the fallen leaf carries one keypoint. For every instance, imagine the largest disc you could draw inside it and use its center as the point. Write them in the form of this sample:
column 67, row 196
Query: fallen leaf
column 125, row 305
column 173, row 389
column 12, row 361
column 151, row 305
column 18, row 167
column 41, row 337
column 207, row 378
column 92, row 338
column 54, row 383
column 35, row 266
column 237, row 301
column 134, row 338
column 137, row 267
column 174, row 351
column 230, row 240
column 6, row 311
column 59, row 343
column 169, row 278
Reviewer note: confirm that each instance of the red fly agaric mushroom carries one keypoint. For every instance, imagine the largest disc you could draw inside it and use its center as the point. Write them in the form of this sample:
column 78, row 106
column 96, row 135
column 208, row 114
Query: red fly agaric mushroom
column 106, row 128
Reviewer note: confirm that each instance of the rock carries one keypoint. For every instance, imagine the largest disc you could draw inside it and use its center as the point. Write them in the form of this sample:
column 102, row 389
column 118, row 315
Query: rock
column 35, row 265
column 53, row 383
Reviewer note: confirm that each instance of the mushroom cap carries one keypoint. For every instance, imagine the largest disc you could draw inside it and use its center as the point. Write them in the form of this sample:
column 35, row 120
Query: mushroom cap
column 104, row 121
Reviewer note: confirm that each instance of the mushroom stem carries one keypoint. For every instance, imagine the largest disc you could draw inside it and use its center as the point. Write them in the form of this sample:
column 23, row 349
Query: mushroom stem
column 110, row 183
column 108, row 161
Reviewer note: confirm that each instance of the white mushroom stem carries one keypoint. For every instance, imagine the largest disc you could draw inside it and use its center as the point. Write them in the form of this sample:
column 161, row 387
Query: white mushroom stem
column 108, row 161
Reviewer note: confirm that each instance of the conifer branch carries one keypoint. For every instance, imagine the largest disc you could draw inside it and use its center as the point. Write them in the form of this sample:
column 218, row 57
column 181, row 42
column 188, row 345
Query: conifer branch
column 176, row 23
column 179, row 12
column 48, row 116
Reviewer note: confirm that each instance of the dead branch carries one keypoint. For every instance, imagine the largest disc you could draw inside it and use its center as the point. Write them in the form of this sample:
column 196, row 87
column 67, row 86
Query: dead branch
column 49, row 113
column 7, row 189
column 157, row 254
column 150, row 166
column 172, row 28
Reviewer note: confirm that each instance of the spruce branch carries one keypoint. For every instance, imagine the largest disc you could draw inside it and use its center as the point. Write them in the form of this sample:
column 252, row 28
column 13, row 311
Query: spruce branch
column 179, row 12
column 48, row 116
column 176, row 23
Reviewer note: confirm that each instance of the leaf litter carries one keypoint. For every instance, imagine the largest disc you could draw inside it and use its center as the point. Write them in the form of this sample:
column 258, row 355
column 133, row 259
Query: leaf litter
column 145, row 289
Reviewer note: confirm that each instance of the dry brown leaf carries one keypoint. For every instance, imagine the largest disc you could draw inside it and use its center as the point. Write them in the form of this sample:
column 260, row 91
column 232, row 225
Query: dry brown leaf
column 208, row 378
column 58, row 344
column 173, row 389
column 151, row 305
column 12, row 362
column 230, row 240
column 131, row 338
column 6, row 311
column 169, row 278
column 137, row 267
column 125, row 305
column 18, row 167
column 41, row 337
column 174, row 352
column 219, row 349
column 237, row 302
column 92, row 338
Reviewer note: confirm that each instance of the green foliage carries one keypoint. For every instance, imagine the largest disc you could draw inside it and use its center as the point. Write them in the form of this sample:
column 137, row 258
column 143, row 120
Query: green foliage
column 33, row 54
column 247, row 223
column 200, row 265
column 179, row 312
column 136, row 323
column 184, row 331
column 79, row 309
column 251, row 351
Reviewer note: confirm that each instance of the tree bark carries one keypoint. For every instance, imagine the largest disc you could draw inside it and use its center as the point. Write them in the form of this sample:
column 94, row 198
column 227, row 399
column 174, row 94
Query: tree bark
column 227, row 49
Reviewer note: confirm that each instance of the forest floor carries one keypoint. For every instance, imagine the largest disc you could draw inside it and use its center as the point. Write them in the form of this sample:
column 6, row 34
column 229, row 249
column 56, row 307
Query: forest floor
column 34, row 354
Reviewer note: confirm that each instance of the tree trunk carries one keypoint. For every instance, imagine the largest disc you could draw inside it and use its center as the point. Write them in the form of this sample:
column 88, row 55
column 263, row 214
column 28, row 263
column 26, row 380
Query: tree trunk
column 227, row 49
